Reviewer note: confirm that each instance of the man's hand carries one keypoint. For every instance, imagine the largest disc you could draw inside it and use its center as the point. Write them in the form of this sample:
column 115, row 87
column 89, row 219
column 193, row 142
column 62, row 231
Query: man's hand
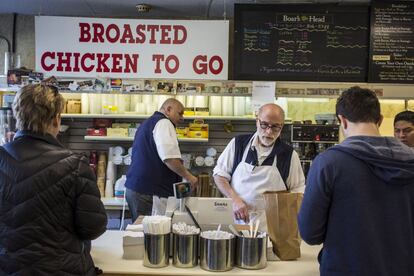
column 193, row 181
column 240, row 209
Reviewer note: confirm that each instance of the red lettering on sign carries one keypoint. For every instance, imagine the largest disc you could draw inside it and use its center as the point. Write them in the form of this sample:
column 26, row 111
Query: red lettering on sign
column 211, row 65
column 200, row 68
column 102, row 59
column 131, row 63
column 85, row 32
column 98, row 31
column 140, row 32
column 43, row 61
column 179, row 29
column 152, row 29
column 116, row 68
column 165, row 39
column 115, row 29
column 168, row 67
column 76, row 67
column 127, row 35
column 63, row 61
column 157, row 59
column 83, row 62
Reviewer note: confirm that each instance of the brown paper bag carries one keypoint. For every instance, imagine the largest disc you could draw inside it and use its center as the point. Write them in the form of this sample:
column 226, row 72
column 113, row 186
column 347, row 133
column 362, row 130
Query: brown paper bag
column 281, row 214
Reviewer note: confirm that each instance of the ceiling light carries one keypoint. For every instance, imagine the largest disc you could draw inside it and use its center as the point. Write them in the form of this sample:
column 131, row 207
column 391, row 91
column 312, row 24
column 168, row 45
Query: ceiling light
column 143, row 8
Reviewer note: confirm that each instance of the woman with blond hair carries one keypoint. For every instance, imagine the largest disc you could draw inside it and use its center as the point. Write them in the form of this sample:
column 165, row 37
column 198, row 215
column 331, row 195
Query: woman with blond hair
column 49, row 201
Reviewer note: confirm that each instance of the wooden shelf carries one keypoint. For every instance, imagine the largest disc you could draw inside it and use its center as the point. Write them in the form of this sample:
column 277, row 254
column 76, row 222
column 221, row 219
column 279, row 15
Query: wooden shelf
column 130, row 139
column 140, row 116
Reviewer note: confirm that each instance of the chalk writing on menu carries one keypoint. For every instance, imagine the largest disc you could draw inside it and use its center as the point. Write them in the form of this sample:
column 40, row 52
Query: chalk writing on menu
column 392, row 42
column 316, row 43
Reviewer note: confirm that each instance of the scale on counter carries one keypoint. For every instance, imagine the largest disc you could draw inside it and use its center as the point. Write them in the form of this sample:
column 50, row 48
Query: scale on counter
column 208, row 212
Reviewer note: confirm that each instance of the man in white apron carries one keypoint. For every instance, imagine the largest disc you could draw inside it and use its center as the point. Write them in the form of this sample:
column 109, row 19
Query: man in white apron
column 253, row 164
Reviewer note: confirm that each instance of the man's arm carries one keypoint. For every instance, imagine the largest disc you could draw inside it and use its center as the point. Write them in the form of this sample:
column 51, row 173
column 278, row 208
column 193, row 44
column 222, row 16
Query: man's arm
column 222, row 175
column 240, row 208
column 296, row 178
column 314, row 212
column 165, row 139
column 176, row 165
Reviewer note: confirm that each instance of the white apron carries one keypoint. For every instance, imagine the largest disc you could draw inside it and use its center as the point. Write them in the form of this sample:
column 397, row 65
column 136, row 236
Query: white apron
column 250, row 182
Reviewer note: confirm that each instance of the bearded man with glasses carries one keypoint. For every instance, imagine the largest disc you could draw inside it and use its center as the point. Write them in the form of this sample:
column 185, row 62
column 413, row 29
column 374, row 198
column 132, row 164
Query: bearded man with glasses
column 255, row 163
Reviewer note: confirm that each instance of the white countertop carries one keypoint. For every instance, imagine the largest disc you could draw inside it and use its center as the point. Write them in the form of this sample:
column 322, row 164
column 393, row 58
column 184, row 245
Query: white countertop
column 113, row 203
column 107, row 255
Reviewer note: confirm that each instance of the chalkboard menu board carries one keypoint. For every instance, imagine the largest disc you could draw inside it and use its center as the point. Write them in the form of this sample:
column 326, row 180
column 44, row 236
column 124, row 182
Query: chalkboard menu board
column 301, row 42
column 392, row 42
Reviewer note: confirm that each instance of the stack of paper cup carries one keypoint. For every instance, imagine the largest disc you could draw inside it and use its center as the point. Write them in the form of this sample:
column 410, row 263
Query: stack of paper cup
column 201, row 101
column 190, row 101
column 227, row 106
column 161, row 99
column 249, row 109
column 140, row 108
column 181, row 98
column 239, row 106
column 123, row 102
column 146, row 99
column 215, row 106
column 85, row 103
column 95, row 103
column 134, row 100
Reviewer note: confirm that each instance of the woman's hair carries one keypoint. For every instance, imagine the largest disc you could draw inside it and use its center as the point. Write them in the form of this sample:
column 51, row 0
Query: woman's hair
column 35, row 106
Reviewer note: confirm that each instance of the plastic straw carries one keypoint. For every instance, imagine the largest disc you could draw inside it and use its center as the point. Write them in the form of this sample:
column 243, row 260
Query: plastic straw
column 256, row 228
column 218, row 231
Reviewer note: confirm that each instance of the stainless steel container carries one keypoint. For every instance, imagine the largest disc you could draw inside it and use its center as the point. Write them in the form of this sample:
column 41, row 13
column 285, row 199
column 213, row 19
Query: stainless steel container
column 185, row 250
column 217, row 255
column 251, row 252
column 156, row 253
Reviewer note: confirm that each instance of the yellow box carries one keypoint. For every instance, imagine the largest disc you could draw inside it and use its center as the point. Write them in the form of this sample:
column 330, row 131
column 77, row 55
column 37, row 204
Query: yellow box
column 181, row 132
column 197, row 134
column 202, row 111
column 119, row 132
column 73, row 106
column 198, row 129
column 189, row 111
column 121, row 125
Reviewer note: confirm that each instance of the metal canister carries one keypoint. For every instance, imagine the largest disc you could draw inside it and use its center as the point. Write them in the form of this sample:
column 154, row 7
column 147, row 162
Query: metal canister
column 217, row 255
column 251, row 252
column 156, row 250
column 185, row 250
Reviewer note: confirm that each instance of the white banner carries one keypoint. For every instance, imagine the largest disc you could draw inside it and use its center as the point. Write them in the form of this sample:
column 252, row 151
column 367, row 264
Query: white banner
column 130, row 48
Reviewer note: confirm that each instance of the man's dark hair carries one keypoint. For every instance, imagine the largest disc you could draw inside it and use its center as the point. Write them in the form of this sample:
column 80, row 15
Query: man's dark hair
column 359, row 105
column 405, row 116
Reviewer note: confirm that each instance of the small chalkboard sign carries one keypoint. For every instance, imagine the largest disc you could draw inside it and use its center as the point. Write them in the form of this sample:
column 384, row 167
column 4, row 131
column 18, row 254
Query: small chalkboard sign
column 391, row 58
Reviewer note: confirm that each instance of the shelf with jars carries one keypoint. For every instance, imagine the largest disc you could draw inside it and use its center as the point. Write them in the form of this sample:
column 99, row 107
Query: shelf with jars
column 131, row 139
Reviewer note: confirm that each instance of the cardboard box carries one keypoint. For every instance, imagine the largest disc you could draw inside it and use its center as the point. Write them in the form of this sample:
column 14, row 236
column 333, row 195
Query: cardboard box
column 73, row 106
column 181, row 132
column 121, row 125
column 118, row 132
column 96, row 131
column 198, row 129
column 189, row 111
column 202, row 111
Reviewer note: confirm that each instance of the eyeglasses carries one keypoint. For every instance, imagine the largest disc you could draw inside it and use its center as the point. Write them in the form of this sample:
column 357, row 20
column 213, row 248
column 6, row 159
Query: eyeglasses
column 275, row 127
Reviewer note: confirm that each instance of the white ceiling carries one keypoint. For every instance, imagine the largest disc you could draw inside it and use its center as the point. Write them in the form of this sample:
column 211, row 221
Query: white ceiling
column 126, row 8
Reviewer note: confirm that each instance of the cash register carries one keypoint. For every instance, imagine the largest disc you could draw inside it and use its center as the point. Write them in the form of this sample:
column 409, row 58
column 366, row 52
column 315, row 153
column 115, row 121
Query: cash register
column 207, row 212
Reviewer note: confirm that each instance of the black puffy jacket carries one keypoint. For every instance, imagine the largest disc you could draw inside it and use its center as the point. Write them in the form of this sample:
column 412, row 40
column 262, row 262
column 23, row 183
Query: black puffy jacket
column 49, row 208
